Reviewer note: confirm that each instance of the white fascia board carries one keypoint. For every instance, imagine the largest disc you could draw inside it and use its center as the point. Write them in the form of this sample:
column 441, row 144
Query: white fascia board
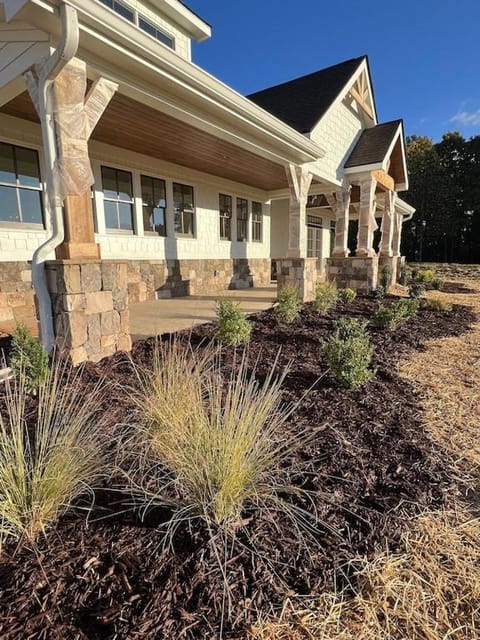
column 184, row 17
column 399, row 134
column 119, row 42
column 404, row 208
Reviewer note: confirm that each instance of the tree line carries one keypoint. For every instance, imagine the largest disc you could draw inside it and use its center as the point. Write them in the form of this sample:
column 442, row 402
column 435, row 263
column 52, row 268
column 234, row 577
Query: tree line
column 445, row 190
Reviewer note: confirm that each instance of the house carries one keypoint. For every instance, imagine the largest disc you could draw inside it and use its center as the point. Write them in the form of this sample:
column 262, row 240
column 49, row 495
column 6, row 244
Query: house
column 128, row 173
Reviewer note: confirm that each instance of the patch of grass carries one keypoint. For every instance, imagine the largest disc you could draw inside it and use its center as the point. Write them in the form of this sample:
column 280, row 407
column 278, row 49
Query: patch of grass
column 48, row 460
column 28, row 359
column 233, row 326
column 438, row 305
column 218, row 446
column 438, row 283
column 326, row 296
column 424, row 276
column 288, row 304
column 349, row 353
column 347, row 295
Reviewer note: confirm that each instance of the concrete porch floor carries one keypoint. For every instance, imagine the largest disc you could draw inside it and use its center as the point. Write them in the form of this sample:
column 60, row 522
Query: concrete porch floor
column 155, row 317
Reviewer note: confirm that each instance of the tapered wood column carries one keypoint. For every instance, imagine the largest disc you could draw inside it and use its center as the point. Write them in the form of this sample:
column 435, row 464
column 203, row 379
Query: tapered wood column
column 388, row 225
column 340, row 205
column 366, row 223
column 299, row 181
column 397, row 235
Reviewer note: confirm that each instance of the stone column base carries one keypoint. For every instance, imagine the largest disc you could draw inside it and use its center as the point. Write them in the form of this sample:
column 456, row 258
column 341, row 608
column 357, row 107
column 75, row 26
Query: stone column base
column 394, row 263
column 359, row 274
column 299, row 272
column 90, row 307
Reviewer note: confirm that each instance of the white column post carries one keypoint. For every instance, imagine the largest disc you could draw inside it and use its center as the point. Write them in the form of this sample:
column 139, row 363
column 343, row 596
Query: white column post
column 299, row 181
column 340, row 204
column 388, row 224
column 366, row 222
column 397, row 234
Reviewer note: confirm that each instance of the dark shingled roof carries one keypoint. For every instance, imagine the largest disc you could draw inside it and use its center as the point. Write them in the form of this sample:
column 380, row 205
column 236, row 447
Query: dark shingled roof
column 373, row 144
column 301, row 103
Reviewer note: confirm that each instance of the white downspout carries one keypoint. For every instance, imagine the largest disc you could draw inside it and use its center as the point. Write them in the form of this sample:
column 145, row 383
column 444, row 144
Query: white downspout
column 65, row 51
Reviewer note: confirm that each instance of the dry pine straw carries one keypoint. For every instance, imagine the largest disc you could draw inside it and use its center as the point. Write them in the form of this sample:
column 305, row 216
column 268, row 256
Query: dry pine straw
column 432, row 590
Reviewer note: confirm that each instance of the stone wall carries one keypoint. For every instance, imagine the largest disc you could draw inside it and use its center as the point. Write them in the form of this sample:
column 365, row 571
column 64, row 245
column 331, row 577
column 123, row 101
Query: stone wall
column 90, row 305
column 151, row 279
column 360, row 274
column 16, row 296
column 299, row 272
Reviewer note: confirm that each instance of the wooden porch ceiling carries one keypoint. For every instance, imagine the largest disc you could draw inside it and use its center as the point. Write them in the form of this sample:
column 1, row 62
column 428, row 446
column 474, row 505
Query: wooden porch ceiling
column 131, row 125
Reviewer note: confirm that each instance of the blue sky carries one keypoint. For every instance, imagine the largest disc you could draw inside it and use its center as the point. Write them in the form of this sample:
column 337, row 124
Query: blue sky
column 424, row 54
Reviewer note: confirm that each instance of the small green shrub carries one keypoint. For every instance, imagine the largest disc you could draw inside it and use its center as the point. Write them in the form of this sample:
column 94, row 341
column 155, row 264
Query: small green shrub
column 288, row 304
column 386, row 277
column 408, row 307
column 233, row 326
column 389, row 318
column 28, row 359
column 347, row 295
column 416, row 290
column 403, row 277
column 437, row 305
column 349, row 353
column 438, row 283
column 378, row 293
column 326, row 295
column 425, row 276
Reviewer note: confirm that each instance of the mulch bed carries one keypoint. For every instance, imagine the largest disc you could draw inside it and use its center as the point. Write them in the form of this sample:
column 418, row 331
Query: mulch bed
column 370, row 467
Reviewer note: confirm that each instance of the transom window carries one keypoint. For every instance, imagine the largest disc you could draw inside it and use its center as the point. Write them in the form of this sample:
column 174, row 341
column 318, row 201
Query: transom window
column 20, row 186
column 242, row 219
column 117, row 199
column 154, row 204
column 143, row 23
column 257, row 219
column 183, row 209
column 225, row 207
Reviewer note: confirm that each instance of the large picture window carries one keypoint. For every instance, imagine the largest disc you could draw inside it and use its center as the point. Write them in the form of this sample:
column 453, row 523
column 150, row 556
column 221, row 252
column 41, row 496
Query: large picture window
column 184, row 210
column 225, row 209
column 257, row 219
column 242, row 220
column 20, row 186
column 117, row 199
column 154, row 204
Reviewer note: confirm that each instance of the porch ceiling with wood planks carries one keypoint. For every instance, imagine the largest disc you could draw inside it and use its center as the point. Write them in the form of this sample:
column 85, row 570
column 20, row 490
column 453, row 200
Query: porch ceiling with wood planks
column 131, row 125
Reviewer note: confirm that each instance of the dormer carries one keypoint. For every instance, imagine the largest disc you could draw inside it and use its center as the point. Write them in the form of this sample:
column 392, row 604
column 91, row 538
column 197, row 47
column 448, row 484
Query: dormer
column 169, row 22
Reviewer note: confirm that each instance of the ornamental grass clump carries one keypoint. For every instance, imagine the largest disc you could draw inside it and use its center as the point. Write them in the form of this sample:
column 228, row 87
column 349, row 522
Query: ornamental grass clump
column 288, row 304
column 438, row 284
column 48, row 456
column 326, row 296
column 233, row 326
column 349, row 353
column 424, row 276
column 216, row 445
column 28, row 359
column 347, row 295
column 437, row 305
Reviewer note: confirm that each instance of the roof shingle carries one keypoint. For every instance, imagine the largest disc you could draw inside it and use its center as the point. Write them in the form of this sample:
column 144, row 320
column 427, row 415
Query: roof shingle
column 373, row 144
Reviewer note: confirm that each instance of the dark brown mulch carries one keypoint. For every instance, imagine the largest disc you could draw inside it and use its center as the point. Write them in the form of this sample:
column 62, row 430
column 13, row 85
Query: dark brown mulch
column 370, row 467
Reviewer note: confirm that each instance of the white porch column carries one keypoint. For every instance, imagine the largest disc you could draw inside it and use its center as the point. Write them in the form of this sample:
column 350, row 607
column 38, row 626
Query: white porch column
column 299, row 181
column 366, row 222
column 340, row 204
column 388, row 224
column 397, row 234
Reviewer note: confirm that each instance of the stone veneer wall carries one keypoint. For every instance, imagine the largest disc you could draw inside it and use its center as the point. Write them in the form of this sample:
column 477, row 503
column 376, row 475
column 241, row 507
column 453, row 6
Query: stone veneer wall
column 90, row 305
column 16, row 296
column 360, row 274
column 151, row 279
column 301, row 273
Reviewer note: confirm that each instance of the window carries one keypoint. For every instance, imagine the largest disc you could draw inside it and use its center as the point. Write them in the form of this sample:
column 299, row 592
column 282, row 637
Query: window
column 183, row 209
column 20, row 186
column 154, row 203
column 257, row 221
column 333, row 226
column 242, row 219
column 120, row 8
column 314, row 236
column 152, row 30
column 117, row 199
column 225, row 208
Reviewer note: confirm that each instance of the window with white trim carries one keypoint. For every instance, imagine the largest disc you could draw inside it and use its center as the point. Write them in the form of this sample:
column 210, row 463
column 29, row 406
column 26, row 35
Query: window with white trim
column 117, row 199
column 257, row 220
column 314, row 236
column 242, row 220
column 154, row 205
column 183, row 210
column 225, row 207
column 20, row 186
